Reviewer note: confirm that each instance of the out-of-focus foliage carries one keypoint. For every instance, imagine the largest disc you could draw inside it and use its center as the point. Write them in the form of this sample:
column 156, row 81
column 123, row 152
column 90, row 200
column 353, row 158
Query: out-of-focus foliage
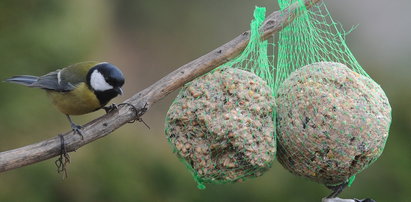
column 148, row 39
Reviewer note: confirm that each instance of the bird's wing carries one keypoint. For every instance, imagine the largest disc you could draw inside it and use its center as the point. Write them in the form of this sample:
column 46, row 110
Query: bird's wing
column 65, row 79
column 53, row 81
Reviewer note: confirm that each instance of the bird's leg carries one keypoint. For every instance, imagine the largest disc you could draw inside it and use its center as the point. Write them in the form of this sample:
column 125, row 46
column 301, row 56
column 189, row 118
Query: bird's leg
column 337, row 189
column 76, row 128
column 64, row 158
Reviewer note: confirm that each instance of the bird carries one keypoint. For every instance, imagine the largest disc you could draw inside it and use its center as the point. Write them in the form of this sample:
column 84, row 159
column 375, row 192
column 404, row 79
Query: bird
column 79, row 88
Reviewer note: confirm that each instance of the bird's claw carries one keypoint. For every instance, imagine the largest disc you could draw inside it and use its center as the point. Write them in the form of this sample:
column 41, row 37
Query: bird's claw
column 77, row 129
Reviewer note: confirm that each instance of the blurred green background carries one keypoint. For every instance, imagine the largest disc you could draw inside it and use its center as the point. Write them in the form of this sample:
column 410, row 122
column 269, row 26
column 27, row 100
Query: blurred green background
column 147, row 40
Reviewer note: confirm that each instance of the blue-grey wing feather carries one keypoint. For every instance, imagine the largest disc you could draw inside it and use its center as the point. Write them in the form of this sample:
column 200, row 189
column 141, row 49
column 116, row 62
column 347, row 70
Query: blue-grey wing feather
column 51, row 81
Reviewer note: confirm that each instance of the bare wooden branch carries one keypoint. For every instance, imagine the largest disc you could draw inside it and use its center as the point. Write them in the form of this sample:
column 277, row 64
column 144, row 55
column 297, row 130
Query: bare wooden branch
column 106, row 124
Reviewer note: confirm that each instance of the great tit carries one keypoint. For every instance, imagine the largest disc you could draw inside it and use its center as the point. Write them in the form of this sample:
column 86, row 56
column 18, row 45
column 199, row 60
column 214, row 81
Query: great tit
column 78, row 89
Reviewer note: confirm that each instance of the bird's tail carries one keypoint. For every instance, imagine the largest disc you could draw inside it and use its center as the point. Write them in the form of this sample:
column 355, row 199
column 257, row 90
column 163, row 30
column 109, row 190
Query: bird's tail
column 25, row 80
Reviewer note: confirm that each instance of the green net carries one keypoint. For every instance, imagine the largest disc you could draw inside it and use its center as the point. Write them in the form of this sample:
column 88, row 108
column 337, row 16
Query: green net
column 330, row 122
column 221, row 125
column 332, row 118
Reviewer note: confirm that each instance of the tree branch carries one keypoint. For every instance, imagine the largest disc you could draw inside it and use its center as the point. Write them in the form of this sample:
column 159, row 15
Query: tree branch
column 143, row 100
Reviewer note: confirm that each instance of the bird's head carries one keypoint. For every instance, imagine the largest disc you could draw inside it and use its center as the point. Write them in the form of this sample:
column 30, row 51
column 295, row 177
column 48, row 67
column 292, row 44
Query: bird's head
column 106, row 81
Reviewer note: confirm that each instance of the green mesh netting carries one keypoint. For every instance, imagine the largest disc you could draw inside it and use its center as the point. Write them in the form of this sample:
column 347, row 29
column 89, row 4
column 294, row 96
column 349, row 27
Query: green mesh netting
column 221, row 125
column 332, row 118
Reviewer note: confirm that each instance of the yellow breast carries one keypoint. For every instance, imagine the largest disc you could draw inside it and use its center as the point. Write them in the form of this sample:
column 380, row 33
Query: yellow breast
column 79, row 101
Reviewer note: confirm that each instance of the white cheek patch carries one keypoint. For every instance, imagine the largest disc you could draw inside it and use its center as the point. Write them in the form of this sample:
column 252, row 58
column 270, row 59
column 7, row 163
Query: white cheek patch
column 98, row 83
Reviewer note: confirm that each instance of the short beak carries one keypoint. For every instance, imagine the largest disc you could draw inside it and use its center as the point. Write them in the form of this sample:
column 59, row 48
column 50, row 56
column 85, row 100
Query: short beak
column 119, row 91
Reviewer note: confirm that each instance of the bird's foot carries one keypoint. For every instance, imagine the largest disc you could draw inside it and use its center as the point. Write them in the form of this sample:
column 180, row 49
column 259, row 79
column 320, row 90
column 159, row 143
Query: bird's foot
column 77, row 129
column 337, row 189
column 64, row 158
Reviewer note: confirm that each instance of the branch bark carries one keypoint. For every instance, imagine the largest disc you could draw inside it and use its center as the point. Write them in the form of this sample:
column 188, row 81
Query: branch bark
column 106, row 124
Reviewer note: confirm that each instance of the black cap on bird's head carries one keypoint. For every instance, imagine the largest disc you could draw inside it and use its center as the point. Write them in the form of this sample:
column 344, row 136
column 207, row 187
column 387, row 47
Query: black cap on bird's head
column 106, row 81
